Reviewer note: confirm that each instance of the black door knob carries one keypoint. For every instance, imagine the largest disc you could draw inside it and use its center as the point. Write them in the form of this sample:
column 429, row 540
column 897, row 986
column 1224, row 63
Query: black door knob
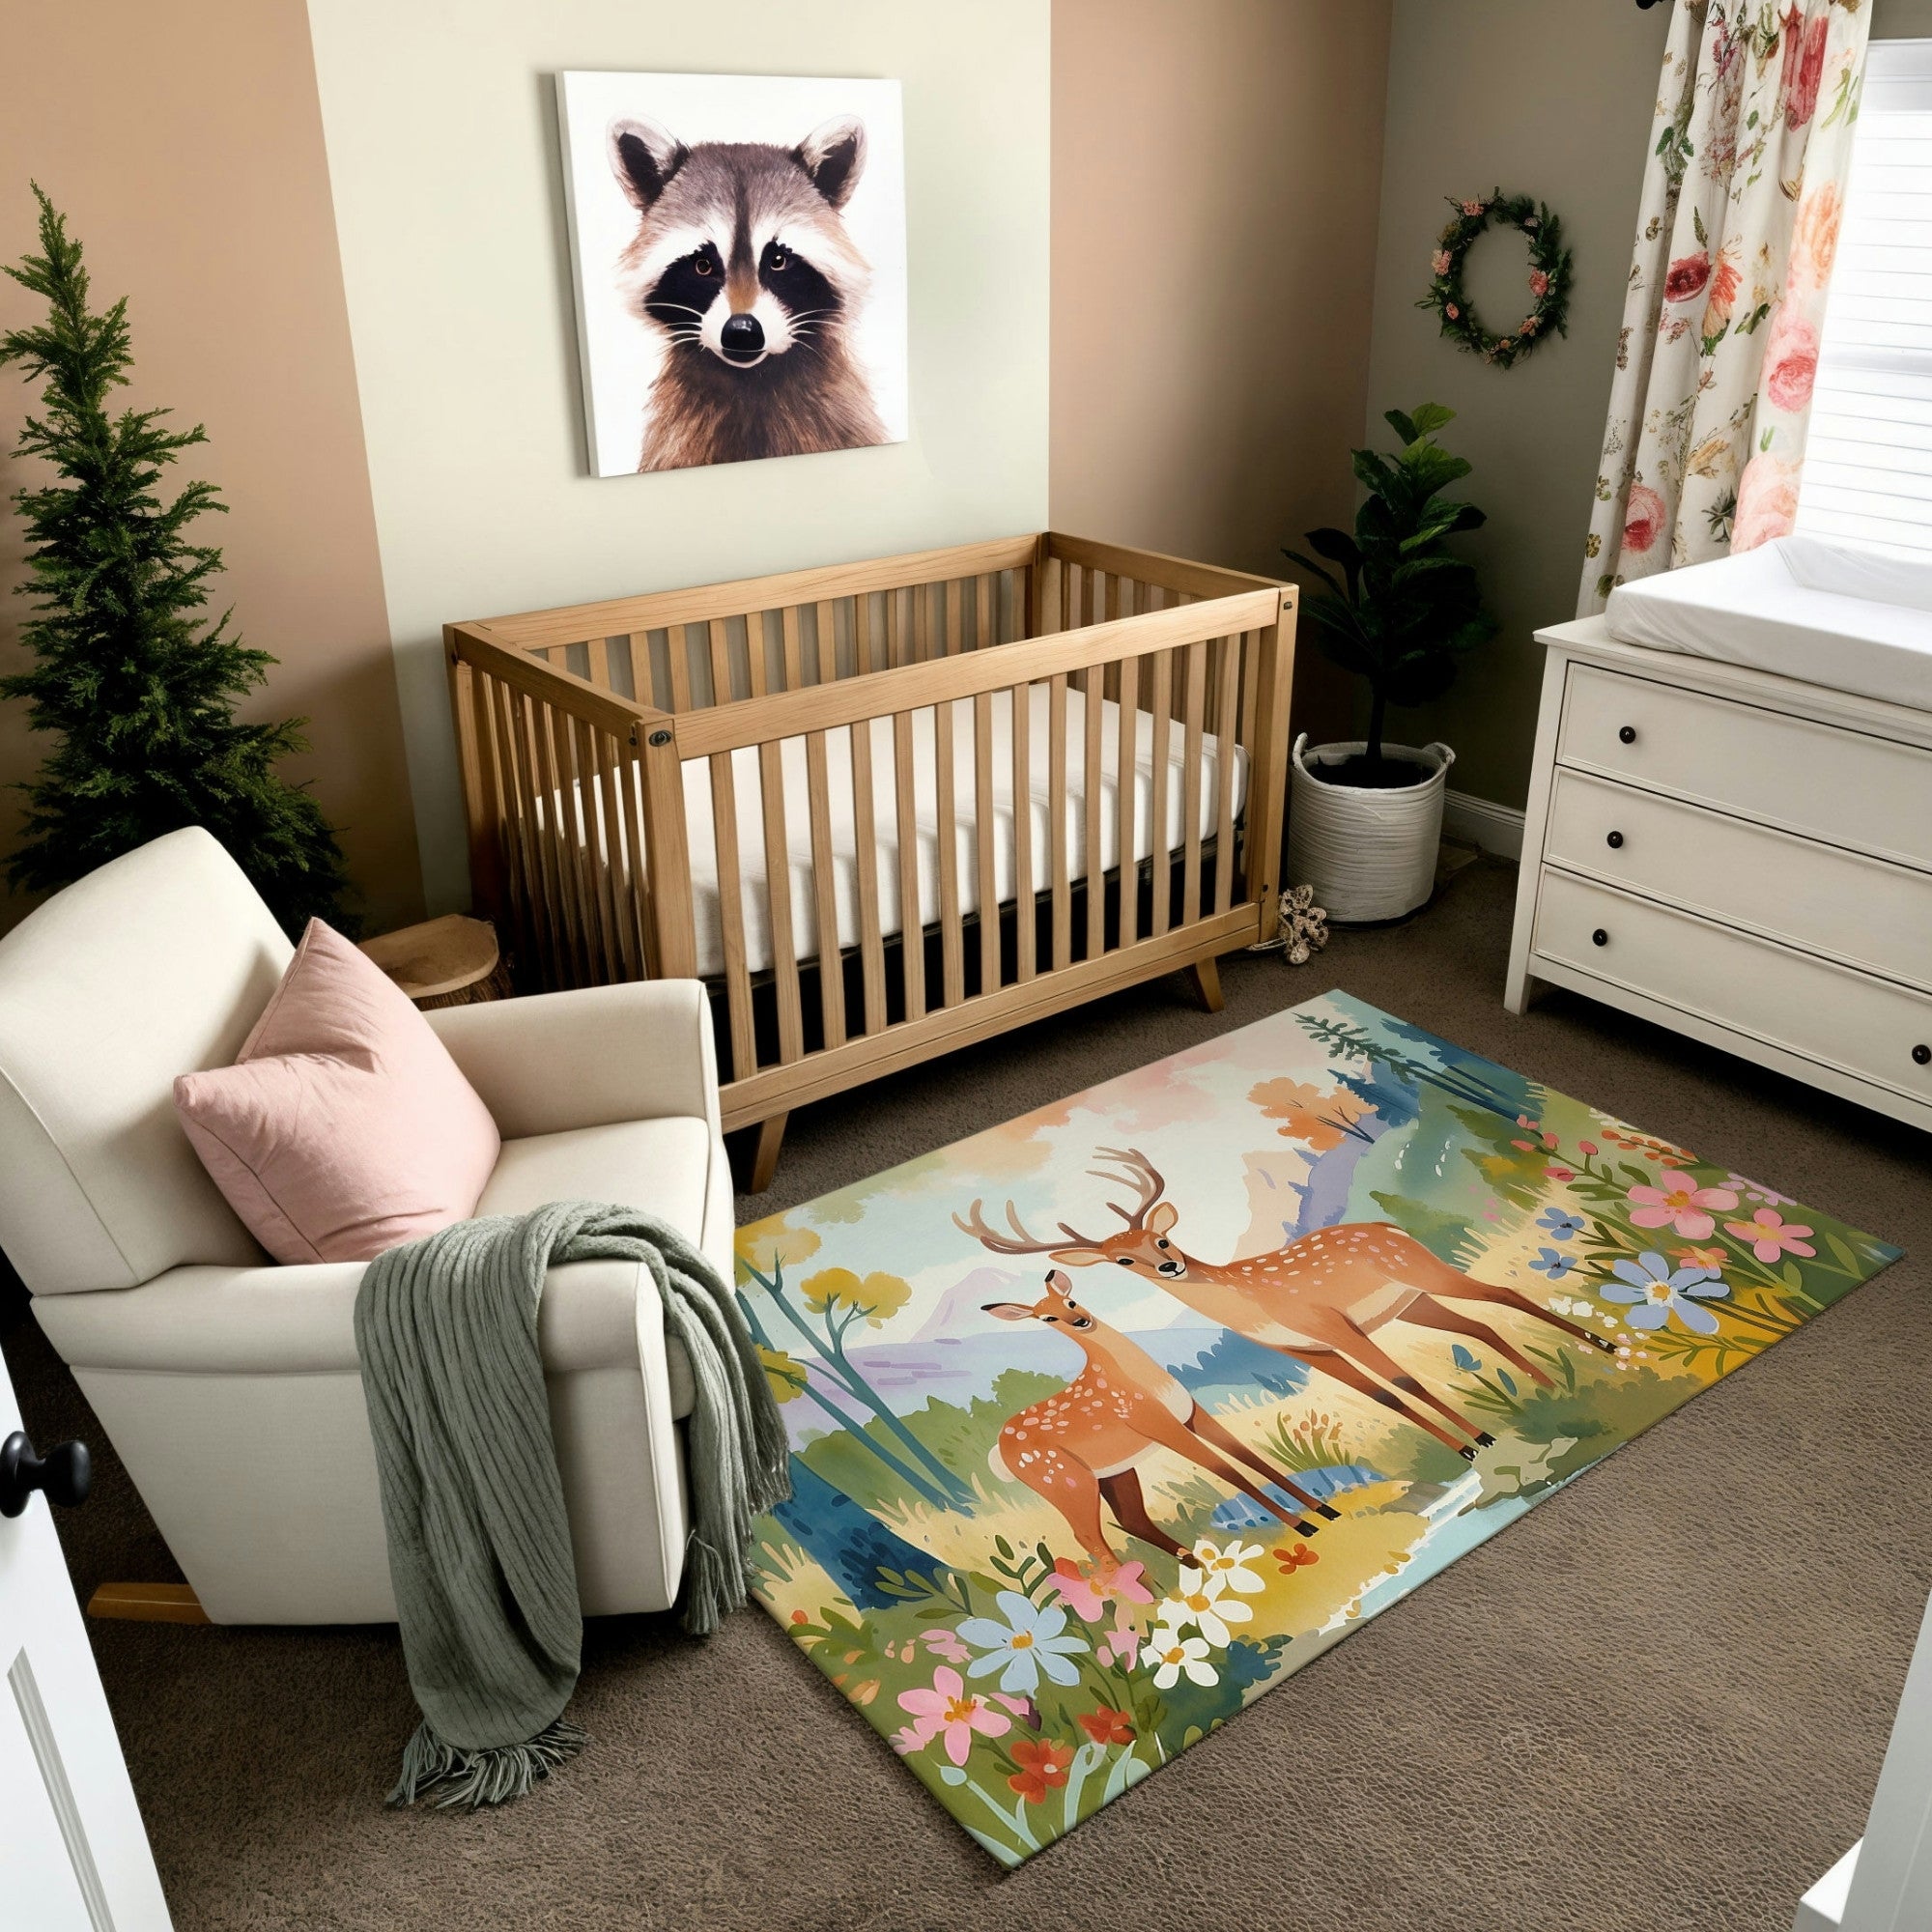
column 65, row 1472
column 1615, row 842
column 1599, row 937
column 1627, row 734
column 1922, row 1055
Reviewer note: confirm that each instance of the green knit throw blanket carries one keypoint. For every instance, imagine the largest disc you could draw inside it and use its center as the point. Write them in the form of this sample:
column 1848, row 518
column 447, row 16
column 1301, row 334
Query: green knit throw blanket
column 473, row 1504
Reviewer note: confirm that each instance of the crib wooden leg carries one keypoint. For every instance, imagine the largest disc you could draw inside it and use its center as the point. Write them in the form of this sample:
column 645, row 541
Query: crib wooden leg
column 765, row 1160
column 1207, row 976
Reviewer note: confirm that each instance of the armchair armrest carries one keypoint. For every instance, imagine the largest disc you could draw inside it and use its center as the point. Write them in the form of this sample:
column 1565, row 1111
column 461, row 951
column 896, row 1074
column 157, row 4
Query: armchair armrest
column 554, row 1062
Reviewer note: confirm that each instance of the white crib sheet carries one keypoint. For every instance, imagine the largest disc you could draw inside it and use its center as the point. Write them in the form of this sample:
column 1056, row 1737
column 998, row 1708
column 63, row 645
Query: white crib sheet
column 702, row 838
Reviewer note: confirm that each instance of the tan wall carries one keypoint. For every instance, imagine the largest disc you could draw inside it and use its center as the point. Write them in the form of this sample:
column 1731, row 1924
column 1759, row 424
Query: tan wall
column 184, row 143
column 1216, row 179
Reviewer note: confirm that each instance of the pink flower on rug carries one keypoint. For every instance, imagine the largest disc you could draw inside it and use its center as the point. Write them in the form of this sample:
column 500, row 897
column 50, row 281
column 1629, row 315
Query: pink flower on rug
column 1769, row 1235
column 1791, row 361
column 949, row 1709
column 1089, row 1595
column 1121, row 1647
column 945, row 1644
column 1766, row 502
column 1686, row 277
column 1645, row 519
column 1679, row 1203
column 910, row 1738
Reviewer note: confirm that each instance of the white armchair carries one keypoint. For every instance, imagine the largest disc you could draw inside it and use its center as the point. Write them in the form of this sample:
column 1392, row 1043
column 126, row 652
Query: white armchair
column 228, row 1385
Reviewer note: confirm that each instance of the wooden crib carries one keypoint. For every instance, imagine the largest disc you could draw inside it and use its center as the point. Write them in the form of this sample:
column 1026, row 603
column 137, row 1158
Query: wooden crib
column 629, row 767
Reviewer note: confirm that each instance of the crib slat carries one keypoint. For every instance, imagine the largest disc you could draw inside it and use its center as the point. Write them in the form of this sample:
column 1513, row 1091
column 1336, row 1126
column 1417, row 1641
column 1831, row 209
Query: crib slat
column 544, row 766
column 1024, row 912
column 544, row 837
column 570, row 854
column 984, row 879
column 1093, row 686
column 1127, row 775
column 1228, row 664
column 731, row 915
column 517, row 814
column 1056, row 822
column 866, row 857
column 1068, row 603
column 719, row 640
column 1196, row 674
column 952, row 932
column 677, row 652
column 862, row 635
column 985, row 596
column 599, row 652
column 621, row 868
column 778, row 895
column 595, row 862
column 794, row 652
column 912, row 933
column 824, row 892
column 924, row 630
column 1160, row 704
column 956, row 616
column 758, row 649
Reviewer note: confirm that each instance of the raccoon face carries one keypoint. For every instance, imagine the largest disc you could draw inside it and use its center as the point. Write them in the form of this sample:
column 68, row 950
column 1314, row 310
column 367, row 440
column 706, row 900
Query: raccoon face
column 740, row 252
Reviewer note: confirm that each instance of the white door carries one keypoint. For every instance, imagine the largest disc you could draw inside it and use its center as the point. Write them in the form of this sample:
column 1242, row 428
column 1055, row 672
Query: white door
column 74, row 1857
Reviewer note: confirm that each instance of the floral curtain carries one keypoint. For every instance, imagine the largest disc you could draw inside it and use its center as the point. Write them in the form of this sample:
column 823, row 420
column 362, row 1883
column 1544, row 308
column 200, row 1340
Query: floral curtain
column 1742, row 198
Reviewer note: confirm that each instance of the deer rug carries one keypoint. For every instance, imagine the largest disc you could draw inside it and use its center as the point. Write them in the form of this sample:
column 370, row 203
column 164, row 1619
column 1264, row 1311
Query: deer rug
column 1106, row 1421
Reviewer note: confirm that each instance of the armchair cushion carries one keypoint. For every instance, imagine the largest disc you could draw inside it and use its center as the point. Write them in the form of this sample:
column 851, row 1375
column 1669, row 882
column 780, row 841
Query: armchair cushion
column 344, row 1127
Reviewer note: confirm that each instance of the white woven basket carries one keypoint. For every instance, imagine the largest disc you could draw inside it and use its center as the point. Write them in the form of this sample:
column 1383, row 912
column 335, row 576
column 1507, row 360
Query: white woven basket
column 1369, row 854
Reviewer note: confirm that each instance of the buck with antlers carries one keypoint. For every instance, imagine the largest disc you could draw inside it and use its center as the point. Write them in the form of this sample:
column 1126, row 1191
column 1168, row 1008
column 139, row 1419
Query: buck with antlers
column 1086, row 1444
column 1318, row 1299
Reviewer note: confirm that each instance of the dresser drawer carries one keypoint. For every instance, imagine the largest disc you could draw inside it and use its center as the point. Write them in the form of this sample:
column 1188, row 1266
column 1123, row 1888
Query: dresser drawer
column 1824, row 782
column 1825, row 1013
column 1818, row 897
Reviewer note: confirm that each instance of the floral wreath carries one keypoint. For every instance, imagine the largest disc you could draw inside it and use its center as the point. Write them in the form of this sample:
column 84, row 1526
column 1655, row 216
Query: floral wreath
column 1549, row 277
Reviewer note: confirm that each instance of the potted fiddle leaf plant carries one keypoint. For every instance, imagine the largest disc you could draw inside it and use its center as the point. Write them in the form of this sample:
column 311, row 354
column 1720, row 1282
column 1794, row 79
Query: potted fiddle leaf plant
column 1400, row 610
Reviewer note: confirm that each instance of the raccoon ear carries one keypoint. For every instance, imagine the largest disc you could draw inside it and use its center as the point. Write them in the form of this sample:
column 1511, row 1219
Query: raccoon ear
column 644, row 158
column 833, row 155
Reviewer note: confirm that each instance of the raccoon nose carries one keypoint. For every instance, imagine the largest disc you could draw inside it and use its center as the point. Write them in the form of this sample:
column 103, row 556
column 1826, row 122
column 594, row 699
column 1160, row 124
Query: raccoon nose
column 742, row 337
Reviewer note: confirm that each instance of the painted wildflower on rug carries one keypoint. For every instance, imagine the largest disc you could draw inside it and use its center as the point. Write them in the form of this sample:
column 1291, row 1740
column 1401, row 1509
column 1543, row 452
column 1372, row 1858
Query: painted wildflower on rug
column 1108, row 1419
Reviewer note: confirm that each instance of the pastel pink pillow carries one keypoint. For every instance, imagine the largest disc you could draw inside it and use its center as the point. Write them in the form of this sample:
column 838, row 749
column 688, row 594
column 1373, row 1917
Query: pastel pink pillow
column 345, row 1127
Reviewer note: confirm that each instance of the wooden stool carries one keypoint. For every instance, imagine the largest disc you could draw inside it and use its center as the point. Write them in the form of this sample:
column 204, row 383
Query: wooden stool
column 452, row 961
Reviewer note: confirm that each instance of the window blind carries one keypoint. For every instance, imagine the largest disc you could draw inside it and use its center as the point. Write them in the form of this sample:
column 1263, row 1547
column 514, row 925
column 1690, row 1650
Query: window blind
column 1868, row 462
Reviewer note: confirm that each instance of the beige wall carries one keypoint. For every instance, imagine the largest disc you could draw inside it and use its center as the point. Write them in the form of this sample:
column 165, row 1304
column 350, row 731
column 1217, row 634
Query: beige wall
column 184, row 145
column 1215, row 175
column 1550, row 97
column 442, row 151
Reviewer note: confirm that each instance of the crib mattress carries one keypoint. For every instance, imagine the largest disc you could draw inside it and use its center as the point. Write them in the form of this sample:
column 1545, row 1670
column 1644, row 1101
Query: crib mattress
column 703, row 844
column 1826, row 613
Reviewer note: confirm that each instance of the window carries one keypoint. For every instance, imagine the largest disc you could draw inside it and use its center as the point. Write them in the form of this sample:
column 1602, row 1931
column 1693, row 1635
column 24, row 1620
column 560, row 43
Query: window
column 1868, row 462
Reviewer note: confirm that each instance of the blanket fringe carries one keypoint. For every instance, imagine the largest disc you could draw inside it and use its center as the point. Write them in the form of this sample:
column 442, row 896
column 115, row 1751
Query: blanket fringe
column 488, row 1775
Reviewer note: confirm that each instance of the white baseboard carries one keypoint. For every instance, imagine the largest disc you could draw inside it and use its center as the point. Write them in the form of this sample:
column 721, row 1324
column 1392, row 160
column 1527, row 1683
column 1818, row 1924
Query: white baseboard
column 1480, row 822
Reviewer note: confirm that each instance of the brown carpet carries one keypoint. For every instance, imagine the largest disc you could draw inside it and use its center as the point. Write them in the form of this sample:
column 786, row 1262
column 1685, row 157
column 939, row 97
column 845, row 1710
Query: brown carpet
column 1659, row 1702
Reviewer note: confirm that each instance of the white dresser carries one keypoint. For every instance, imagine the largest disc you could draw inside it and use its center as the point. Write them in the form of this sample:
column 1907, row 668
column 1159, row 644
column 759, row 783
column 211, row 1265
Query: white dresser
column 1738, row 855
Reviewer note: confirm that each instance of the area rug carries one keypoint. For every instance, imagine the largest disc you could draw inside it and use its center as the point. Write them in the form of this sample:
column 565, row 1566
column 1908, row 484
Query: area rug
column 1107, row 1420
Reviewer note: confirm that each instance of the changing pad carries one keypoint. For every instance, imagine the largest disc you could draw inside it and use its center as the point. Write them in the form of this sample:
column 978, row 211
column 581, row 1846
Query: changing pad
column 701, row 839
column 1826, row 613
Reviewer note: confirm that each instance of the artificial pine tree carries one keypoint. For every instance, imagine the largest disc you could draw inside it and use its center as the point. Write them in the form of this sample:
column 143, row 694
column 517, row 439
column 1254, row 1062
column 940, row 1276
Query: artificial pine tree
column 139, row 687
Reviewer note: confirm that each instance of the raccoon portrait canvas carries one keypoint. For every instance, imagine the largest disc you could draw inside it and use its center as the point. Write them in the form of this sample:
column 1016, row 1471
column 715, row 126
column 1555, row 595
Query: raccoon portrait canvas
column 747, row 312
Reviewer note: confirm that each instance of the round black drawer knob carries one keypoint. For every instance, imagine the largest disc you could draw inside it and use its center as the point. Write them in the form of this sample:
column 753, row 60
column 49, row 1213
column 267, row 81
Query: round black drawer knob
column 1922, row 1055
column 1615, row 842
column 1627, row 734
column 1599, row 937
